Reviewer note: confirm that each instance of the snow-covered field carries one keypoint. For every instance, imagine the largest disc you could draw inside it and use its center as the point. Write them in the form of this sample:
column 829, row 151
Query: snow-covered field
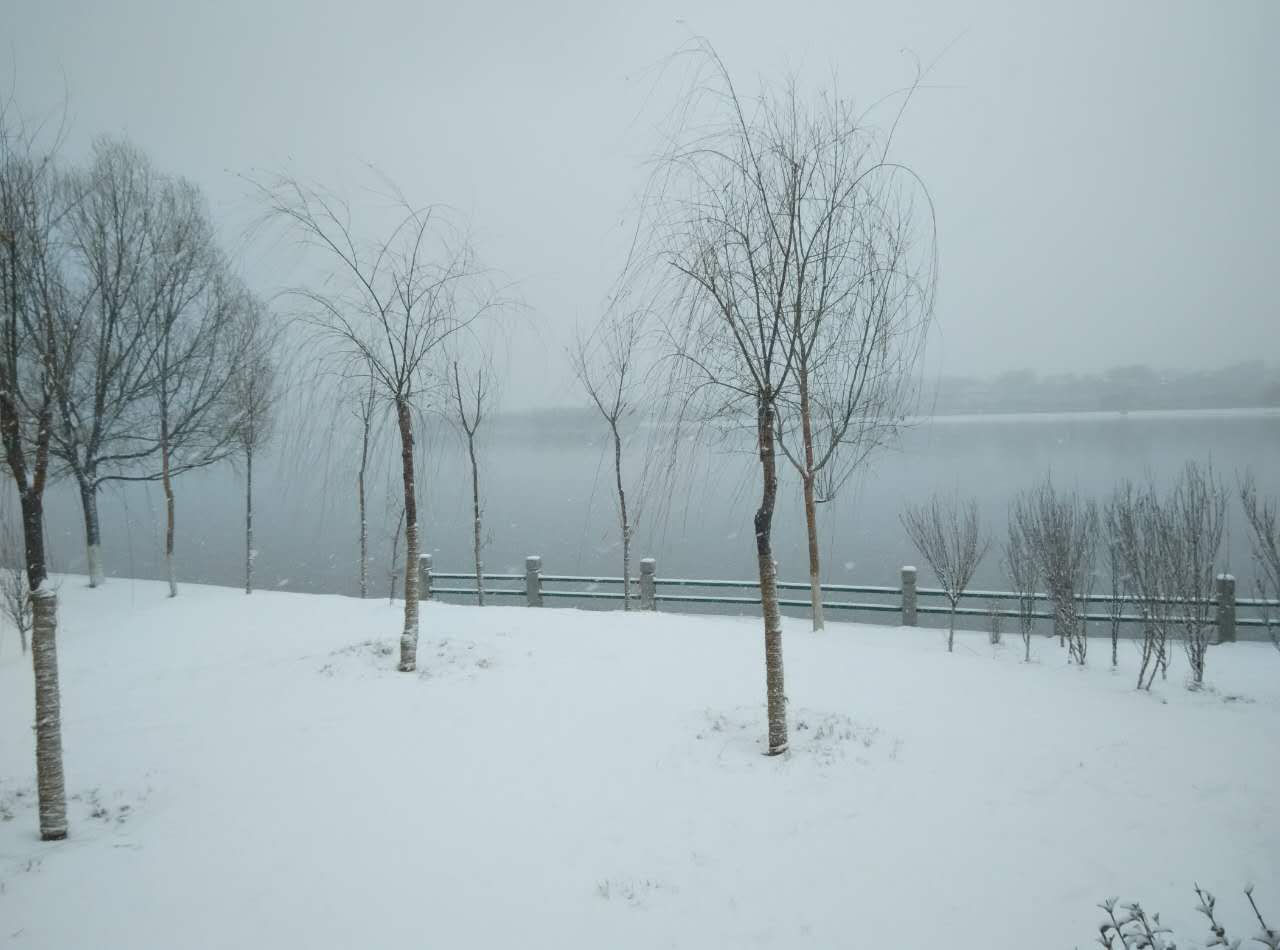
column 252, row 772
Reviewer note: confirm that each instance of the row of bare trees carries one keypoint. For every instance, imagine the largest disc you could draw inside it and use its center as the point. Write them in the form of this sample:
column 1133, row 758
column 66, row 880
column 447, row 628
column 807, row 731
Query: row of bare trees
column 129, row 351
column 1162, row 561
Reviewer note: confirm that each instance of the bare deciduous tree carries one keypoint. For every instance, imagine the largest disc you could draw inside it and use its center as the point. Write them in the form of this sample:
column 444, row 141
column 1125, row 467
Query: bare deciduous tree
column 1062, row 531
column 15, row 595
column 1023, row 569
column 365, row 408
column 1264, row 540
column 33, row 294
column 192, row 305
column 606, row 364
column 1193, row 519
column 948, row 535
column 859, row 301
column 392, row 302
column 472, row 398
column 1134, row 525
column 1118, row 591
column 104, row 405
column 252, row 396
column 731, row 232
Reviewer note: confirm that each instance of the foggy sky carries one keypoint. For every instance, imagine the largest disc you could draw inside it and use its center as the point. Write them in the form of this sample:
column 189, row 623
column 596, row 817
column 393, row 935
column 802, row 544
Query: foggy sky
column 1104, row 174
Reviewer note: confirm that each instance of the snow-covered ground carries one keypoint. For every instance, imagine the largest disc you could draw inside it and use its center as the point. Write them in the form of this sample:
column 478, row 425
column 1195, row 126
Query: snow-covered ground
column 252, row 772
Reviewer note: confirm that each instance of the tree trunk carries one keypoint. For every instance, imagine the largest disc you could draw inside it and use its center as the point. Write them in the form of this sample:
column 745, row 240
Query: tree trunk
column 409, row 637
column 774, row 689
column 166, row 479
column 364, row 520
column 32, row 506
column 951, row 628
column 92, row 529
column 622, row 514
column 475, row 505
column 44, row 660
column 810, row 506
column 248, row 521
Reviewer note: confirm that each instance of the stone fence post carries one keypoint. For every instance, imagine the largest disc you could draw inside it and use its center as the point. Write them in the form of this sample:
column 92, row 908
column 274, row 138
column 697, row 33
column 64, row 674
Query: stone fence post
column 1226, row 609
column 648, row 584
column 424, row 577
column 533, row 580
column 908, row 596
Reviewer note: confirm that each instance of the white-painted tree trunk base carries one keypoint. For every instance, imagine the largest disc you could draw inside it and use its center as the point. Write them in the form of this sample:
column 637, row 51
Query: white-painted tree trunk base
column 94, row 557
column 171, row 575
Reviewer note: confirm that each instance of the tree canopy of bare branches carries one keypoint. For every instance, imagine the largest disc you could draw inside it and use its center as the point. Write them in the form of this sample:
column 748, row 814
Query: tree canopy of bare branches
column 948, row 534
column 859, row 300
column 389, row 304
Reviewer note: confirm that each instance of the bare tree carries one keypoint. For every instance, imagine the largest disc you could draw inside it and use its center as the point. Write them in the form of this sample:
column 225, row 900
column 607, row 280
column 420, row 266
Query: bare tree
column 1264, row 539
column 252, row 396
column 859, row 304
column 472, row 397
column 1023, row 569
column 1193, row 519
column 606, row 364
column 733, row 232
column 1118, row 594
column 15, row 595
column 33, row 294
column 104, row 402
column 365, row 408
column 948, row 534
column 1134, row 524
column 393, row 563
column 1062, row 531
column 391, row 304
column 192, row 303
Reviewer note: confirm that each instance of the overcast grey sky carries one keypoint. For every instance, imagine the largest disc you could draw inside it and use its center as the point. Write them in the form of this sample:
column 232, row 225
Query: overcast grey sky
column 1104, row 173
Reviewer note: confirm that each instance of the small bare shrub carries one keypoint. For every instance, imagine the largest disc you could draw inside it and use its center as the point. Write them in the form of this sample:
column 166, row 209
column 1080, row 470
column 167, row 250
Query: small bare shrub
column 946, row 531
column 1130, row 927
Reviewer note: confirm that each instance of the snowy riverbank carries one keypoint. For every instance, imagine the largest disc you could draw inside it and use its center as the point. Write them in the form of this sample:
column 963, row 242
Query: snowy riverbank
column 251, row 771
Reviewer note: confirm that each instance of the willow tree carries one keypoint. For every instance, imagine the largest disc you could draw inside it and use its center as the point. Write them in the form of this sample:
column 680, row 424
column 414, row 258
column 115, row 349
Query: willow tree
column 389, row 303
column 733, row 229
column 860, row 301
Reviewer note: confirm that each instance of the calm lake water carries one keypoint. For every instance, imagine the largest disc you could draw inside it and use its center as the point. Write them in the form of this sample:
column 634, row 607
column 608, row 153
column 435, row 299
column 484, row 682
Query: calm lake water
column 548, row 490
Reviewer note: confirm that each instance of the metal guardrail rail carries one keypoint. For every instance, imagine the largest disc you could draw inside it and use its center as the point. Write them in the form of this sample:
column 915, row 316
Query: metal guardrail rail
column 650, row 590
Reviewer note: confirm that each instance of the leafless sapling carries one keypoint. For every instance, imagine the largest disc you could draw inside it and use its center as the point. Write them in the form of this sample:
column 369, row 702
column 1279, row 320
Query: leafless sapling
column 1062, row 531
column 1135, row 525
column 948, row 534
column 471, row 396
column 252, row 401
column 606, row 363
column 1193, row 518
column 1023, row 569
column 1264, row 540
